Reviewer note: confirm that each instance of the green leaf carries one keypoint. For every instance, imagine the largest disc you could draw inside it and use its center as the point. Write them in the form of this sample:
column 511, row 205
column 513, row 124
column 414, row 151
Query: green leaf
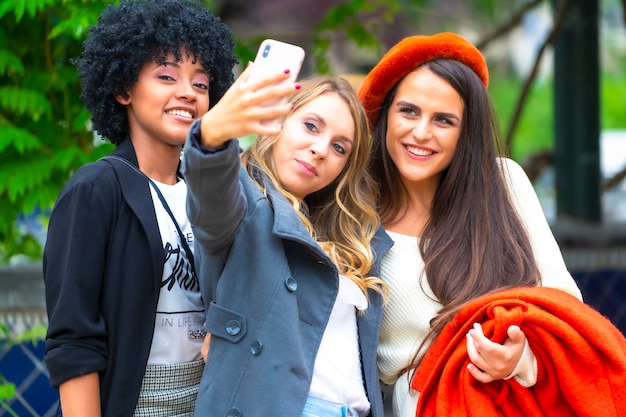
column 19, row 7
column 7, row 391
column 5, row 7
column 10, row 64
column 81, row 120
column 44, row 198
column 68, row 157
column 361, row 36
column 23, row 178
column 24, row 101
column 75, row 27
column 33, row 335
column 21, row 139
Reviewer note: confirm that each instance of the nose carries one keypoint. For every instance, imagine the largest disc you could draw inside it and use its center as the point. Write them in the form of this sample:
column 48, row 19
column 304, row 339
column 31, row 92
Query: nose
column 185, row 91
column 319, row 148
column 422, row 130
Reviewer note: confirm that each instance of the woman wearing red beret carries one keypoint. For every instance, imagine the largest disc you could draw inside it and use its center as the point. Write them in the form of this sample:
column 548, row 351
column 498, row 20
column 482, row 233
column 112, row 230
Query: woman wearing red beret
column 465, row 221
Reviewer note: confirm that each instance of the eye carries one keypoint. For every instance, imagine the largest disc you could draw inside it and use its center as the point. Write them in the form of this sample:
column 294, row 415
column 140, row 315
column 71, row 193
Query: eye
column 201, row 86
column 407, row 110
column 443, row 121
column 338, row 148
column 166, row 77
column 310, row 126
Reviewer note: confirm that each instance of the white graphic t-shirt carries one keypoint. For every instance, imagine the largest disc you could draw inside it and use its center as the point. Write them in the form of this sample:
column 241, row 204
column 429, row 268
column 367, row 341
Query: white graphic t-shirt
column 178, row 329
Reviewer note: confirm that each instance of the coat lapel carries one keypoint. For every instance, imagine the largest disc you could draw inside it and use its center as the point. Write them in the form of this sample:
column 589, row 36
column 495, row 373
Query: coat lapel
column 137, row 195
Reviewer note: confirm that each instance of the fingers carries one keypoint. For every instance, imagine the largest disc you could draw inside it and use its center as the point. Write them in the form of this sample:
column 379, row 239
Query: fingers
column 516, row 334
column 476, row 358
column 479, row 374
column 204, row 350
column 266, row 86
column 491, row 361
column 265, row 78
column 244, row 107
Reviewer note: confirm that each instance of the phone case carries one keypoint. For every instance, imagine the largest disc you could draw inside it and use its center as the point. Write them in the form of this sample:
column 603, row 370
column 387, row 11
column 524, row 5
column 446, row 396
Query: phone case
column 275, row 56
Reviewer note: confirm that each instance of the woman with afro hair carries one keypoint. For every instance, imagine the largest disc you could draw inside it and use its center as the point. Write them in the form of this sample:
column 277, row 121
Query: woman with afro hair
column 124, row 306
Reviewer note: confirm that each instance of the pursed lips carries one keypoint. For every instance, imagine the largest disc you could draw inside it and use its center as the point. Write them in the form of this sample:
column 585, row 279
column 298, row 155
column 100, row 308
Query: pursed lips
column 307, row 167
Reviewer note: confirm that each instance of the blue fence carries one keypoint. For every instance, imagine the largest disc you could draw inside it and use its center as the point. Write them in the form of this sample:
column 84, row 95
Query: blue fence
column 606, row 292
column 22, row 365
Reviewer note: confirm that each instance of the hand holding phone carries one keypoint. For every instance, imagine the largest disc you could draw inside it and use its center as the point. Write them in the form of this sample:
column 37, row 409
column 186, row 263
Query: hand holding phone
column 273, row 57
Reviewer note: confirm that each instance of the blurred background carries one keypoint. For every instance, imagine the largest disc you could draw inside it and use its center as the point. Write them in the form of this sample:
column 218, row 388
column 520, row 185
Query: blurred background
column 558, row 82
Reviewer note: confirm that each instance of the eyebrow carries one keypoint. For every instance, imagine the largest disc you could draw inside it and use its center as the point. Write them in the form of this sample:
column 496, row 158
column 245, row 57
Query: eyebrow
column 346, row 139
column 323, row 122
column 440, row 114
column 200, row 70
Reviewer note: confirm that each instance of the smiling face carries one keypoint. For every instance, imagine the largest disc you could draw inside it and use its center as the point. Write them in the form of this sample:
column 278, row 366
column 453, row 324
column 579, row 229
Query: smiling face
column 166, row 99
column 315, row 145
column 424, row 125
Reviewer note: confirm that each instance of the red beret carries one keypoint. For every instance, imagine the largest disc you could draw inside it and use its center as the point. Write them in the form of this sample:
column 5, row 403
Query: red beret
column 410, row 53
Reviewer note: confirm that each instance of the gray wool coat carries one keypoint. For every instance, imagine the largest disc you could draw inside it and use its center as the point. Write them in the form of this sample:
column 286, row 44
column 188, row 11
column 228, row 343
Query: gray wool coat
column 269, row 290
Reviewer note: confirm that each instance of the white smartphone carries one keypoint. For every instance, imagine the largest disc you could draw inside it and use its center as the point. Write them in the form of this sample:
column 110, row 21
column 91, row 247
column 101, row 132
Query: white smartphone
column 273, row 57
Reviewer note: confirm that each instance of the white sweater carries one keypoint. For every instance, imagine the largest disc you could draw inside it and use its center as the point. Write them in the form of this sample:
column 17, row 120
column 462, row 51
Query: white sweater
column 410, row 306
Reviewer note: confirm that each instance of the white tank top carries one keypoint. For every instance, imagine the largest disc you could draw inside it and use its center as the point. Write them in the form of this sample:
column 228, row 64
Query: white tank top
column 337, row 373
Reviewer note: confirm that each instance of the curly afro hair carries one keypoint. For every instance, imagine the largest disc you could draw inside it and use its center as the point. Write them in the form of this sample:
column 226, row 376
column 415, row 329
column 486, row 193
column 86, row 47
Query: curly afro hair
column 140, row 31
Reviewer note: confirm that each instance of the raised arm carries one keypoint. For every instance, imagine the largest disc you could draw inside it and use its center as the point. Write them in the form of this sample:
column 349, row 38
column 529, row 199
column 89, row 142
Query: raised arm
column 211, row 156
column 215, row 202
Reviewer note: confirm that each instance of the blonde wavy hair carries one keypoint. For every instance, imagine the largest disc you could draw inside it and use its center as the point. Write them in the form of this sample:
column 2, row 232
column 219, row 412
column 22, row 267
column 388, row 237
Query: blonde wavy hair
column 341, row 217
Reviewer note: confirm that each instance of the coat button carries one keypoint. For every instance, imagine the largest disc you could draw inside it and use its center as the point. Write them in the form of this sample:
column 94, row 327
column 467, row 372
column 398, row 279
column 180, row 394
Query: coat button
column 233, row 412
column 233, row 327
column 291, row 284
column 256, row 348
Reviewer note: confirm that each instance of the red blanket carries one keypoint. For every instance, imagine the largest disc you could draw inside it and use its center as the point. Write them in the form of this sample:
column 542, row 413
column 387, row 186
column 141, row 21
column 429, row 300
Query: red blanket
column 580, row 354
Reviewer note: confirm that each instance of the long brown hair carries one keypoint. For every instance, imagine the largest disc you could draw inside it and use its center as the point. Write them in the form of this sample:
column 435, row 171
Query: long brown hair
column 474, row 241
column 341, row 217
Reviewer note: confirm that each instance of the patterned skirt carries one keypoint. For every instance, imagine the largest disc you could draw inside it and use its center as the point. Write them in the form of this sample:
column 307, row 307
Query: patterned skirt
column 169, row 390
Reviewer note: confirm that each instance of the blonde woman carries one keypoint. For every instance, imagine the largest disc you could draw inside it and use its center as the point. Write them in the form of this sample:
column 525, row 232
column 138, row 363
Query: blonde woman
column 284, row 236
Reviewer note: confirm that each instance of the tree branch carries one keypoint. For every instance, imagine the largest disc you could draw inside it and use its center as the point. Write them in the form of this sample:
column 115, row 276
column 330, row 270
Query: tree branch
column 559, row 18
column 615, row 180
column 508, row 25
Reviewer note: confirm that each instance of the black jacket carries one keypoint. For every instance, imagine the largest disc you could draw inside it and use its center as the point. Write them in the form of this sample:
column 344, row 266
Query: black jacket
column 102, row 263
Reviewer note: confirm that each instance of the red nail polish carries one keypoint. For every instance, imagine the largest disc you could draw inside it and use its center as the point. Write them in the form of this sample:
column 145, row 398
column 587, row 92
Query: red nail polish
column 287, row 71
column 297, row 86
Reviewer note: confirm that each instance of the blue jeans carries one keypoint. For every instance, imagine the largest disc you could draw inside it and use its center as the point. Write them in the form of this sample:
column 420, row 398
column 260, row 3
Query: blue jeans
column 316, row 407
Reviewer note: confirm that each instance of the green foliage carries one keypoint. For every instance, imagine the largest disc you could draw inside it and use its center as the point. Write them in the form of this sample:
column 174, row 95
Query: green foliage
column 21, row 7
column 357, row 19
column 7, row 391
column 535, row 131
column 613, row 91
column 44, row 133
column 44, row 127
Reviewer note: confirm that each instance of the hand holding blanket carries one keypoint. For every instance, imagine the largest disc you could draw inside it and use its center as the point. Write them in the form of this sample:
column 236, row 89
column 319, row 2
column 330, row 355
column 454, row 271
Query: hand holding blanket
column 580, row 354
